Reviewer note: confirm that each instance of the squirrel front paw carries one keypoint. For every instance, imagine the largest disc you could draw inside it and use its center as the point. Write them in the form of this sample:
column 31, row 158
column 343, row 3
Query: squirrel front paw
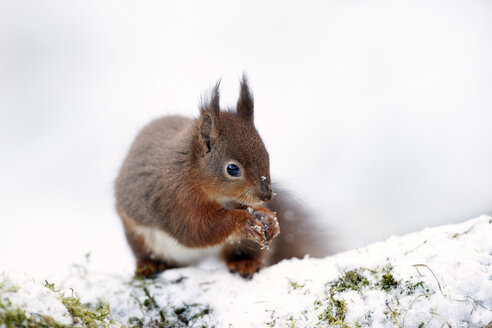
column 261, row 226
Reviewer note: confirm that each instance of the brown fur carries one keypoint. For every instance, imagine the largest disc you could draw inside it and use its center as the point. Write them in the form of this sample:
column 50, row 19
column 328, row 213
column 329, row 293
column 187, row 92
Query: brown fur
column 149, row 268
column 173, row 179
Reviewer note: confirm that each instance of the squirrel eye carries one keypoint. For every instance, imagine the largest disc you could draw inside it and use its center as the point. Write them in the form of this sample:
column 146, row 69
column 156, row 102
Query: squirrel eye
column 233, row 170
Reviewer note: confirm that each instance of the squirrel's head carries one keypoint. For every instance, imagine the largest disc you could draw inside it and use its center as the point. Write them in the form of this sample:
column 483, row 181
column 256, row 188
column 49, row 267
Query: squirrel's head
column 230, row 154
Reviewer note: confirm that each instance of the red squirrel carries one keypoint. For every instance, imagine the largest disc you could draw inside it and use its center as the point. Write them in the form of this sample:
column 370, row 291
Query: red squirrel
column 191, row 188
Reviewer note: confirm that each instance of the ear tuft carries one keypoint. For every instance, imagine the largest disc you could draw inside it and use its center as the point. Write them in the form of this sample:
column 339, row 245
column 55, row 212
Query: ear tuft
column 212, row 102
column 245, row 104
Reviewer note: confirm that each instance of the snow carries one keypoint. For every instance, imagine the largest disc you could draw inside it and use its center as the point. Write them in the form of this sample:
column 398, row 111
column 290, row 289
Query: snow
column 449, row 267
column 375, row 113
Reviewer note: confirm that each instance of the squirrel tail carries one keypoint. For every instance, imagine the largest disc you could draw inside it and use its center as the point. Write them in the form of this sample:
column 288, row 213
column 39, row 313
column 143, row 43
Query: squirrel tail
column 299, row 233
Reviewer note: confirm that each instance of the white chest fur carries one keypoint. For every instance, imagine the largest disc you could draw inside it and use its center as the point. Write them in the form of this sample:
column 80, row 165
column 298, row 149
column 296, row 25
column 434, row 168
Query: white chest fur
column 167, row 248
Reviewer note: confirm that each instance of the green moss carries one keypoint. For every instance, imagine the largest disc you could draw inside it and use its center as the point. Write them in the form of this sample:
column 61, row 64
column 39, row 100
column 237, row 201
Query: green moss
column 157, row 316
column 81, row 313
column 11, row 316
column 340, row 309
column 388, row 282
column 8, row 287
column 179, row 310
column 412, row 287
column 295, row 285
column 99, row 316
column 201, row 314
column 351, row 280
column 188, row 314
column 50, row 286
column 459, row 234
column 335, row 311
column 361, row 280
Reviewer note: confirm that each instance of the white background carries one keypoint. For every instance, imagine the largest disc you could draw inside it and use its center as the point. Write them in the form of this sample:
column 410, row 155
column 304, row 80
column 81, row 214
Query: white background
column 378, row 114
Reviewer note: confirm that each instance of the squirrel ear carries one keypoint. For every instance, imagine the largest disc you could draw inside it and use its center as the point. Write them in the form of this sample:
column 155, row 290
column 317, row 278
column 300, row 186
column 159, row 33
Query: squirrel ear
column 245, row 104
column 207, row 129
column 209, row 117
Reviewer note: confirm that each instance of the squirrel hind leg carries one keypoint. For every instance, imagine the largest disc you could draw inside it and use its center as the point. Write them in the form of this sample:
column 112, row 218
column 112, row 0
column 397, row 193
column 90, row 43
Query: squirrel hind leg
column 149, row 268
column 245, row 258
column 245, row 268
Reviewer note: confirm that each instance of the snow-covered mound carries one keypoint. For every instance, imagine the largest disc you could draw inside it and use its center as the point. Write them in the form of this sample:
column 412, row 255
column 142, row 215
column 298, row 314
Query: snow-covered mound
column 439, row 277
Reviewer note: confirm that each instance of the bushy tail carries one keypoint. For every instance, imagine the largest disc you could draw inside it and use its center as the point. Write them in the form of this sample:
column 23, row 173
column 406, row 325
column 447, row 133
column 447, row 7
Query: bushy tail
column 299, row 233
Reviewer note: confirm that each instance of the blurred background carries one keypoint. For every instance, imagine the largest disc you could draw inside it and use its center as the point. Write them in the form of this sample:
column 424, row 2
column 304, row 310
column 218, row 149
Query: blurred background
column 377, row 114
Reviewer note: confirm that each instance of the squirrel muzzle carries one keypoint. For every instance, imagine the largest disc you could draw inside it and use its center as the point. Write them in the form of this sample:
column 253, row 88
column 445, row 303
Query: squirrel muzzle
column 265, row 193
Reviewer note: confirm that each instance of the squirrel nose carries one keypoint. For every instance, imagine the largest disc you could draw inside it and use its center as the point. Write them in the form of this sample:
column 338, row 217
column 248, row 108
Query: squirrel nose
column 265, row 194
